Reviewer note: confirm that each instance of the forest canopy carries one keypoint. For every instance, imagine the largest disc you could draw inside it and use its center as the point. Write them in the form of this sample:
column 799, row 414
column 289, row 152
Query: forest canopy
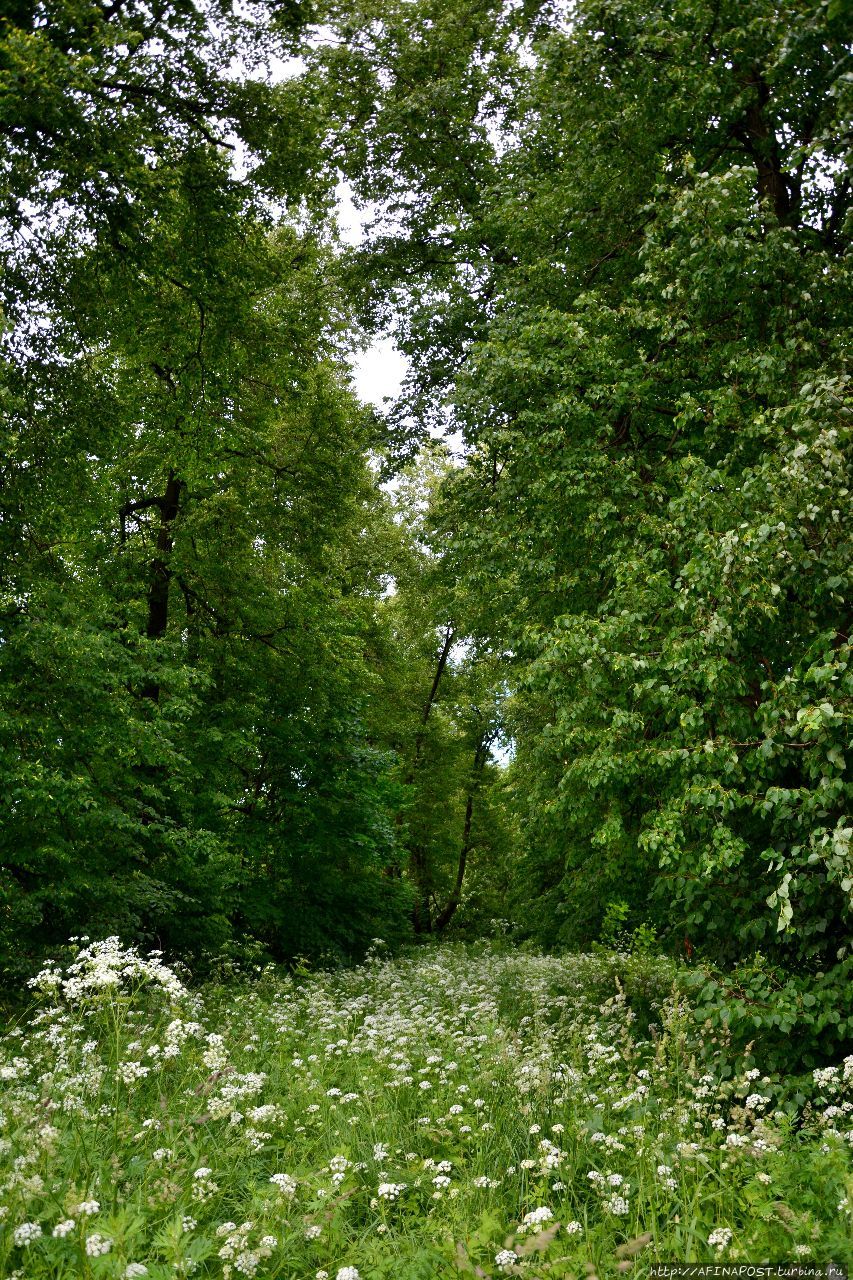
column 562, row 639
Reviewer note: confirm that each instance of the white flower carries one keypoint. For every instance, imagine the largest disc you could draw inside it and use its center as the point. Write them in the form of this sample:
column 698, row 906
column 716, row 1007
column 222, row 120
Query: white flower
column 285, row 1183
column 26, row 1233
column 573, row 1228
column 97, row 1245
column 87, row 1208
column 506, row 1258
column 617, row 1205
column 313, row 1232
column 134, row 1270
column 535, row 1218
column 720, row 1237
column 63, row 1229
column 348, row 1273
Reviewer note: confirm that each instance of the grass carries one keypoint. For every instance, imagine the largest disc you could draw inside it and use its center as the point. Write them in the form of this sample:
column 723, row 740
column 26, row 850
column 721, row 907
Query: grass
column 455, row 1112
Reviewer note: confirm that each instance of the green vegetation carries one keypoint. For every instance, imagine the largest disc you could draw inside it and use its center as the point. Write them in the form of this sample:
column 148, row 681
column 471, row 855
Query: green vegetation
column 481, row 1112
column 560, row 640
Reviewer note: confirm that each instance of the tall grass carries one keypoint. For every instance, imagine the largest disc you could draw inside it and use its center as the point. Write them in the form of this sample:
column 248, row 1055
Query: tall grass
column 455, row 1112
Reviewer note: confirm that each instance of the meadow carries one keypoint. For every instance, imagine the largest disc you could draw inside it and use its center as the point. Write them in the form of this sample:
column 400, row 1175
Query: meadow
column 457, row 1111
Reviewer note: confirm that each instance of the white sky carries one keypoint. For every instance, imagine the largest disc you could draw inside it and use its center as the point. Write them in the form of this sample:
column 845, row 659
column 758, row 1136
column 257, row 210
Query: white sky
column 379, row 371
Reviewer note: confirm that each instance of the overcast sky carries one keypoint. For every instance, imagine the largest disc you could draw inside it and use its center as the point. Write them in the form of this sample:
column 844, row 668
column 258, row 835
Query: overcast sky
column 378, row 373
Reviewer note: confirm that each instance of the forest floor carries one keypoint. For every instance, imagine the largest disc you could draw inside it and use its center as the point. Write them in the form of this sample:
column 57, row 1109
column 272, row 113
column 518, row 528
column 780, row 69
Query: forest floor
column 459, row 1111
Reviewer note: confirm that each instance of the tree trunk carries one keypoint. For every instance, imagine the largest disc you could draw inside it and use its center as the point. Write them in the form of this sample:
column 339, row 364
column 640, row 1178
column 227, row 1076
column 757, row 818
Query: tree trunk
column 763, row 146
column 449, row 909
column 161, row 573
column 421, row 915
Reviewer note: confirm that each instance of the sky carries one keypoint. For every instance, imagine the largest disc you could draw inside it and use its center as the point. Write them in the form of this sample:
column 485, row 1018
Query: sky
column 379, row 371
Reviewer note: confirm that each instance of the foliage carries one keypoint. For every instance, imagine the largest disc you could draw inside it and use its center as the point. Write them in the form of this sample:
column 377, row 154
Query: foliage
column 456, row 1112
column 617, row 257
column 797, row 1021
column 441, row 714
column 187, row 504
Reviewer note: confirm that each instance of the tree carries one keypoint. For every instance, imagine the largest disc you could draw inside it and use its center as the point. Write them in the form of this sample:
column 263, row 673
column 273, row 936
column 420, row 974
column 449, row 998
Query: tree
column 439, row 711
column 619, row 257
column 186, row 500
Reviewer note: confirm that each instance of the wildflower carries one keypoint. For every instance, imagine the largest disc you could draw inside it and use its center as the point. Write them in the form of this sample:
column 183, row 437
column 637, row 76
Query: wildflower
column 720, row 1237
column 26, row 1233
column 617, row 1205
column 87, row 1208
column 97, row 1245
column 536, row 1218
column 134, row 1271
column 348, row 1273
column 506, row 1258
column 312, row 1232
column 285, row 1183
column 63, row 1228
column 392, row 1190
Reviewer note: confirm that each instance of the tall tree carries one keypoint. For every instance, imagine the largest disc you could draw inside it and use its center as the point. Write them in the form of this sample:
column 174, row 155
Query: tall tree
column 186, row 597
column 616, row 248
column 440, row 712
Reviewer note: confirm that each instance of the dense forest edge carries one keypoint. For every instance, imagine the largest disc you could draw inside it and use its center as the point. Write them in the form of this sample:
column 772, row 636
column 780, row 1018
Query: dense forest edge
column 558, row 646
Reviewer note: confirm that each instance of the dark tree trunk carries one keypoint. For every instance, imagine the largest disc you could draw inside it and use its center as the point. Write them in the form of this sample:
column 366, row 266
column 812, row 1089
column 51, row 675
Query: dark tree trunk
column 449, row 909
column 161, row 573
column 421, row 914
column 762, row 144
